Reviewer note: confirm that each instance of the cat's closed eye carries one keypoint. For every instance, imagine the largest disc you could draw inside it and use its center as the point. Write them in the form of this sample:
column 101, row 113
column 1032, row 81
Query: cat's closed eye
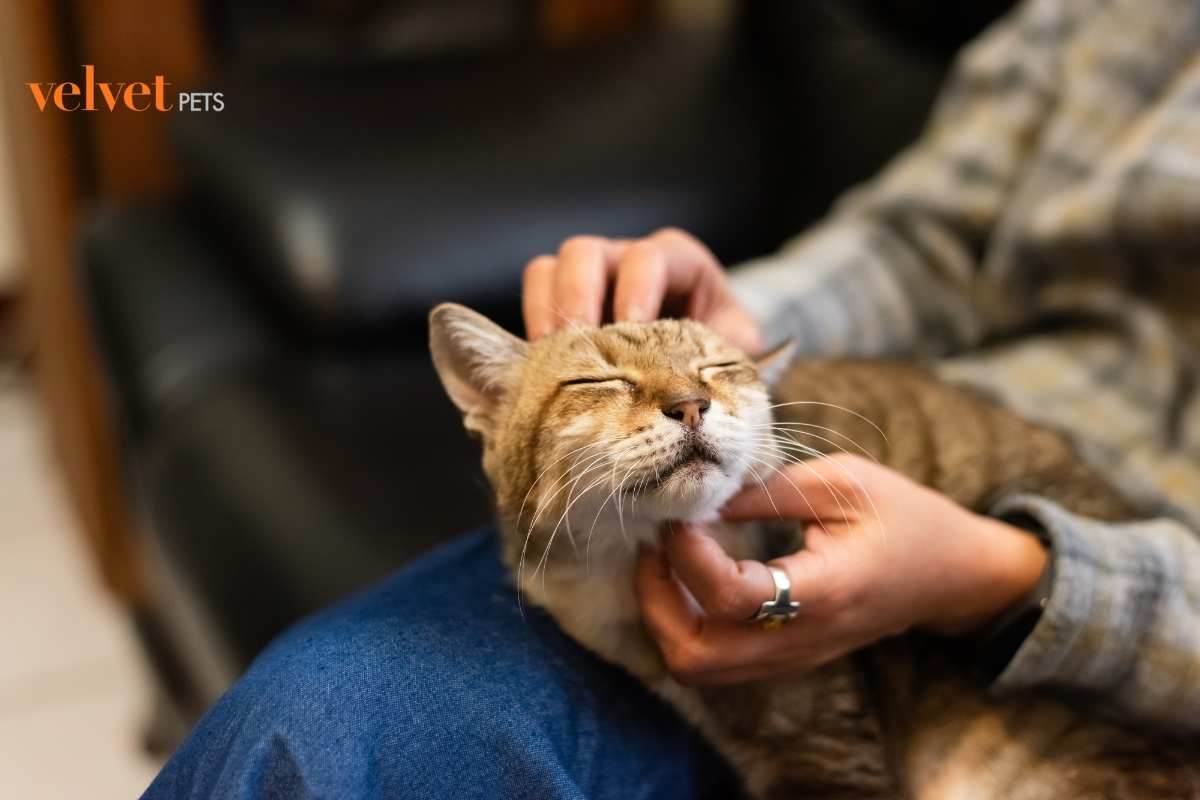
column 598, row 381
column 726, row 368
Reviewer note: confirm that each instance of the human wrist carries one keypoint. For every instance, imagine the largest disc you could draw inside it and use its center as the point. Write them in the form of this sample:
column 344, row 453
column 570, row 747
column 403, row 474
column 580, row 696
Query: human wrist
column 1004, row 568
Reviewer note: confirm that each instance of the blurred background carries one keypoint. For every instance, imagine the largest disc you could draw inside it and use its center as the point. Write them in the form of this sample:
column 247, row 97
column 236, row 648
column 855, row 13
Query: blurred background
column 217, row 412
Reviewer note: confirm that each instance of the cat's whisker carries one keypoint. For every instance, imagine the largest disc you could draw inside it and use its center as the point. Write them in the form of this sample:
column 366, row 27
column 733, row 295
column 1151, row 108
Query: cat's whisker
column 570, row 487
column 613, row 462
column 569, row 502
column 791, row 426
column 779, row 471
column 786, row 441
column 587, row 550
column 766, row 491
column 569, row 477
column 792, row 446
column 789, row 433
column 782, row 445
column 599, row 511
column 594, row 464
column 836, row 406
column 621, row 497
column 617, row 492
column 620, row 494
column 546, row 499
column 565, row 515
column 843, row 467
column 544, row 503
column 548, row 467
column 802, row 448
column 640, row 484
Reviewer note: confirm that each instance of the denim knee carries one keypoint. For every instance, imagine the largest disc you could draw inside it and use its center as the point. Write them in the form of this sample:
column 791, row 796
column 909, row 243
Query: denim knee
column 434, row 684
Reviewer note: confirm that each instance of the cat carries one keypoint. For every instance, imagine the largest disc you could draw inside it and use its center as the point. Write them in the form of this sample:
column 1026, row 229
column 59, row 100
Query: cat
column 584, row 444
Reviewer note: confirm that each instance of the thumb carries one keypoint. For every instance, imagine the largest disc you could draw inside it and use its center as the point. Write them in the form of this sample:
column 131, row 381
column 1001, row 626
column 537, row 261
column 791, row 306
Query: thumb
column 732, row 322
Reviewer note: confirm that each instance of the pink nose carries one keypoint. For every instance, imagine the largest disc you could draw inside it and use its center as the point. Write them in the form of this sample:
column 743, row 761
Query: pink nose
column 690, row 412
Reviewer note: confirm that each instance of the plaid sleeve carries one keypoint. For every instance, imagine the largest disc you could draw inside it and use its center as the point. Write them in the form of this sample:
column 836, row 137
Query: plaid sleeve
column 1123, row 619
column 893, row 269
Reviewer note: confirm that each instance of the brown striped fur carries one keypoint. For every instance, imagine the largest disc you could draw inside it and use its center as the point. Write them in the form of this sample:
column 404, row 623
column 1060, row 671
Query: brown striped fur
column 576, row 441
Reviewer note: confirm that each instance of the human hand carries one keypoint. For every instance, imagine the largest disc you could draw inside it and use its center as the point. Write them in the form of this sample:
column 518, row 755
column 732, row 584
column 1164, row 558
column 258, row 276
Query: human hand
column 882, row 555
column 668, row 267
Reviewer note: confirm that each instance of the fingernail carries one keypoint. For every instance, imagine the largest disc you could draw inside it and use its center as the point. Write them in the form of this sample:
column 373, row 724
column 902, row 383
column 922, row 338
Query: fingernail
column 635, row 313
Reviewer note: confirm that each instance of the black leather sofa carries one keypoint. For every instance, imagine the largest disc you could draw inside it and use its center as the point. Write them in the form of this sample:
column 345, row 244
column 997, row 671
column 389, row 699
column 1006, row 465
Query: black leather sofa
column 284, row 434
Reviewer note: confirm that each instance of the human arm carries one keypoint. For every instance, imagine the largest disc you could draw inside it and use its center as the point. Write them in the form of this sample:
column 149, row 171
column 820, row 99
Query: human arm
column 1123, row 621
column 885, row 555
column 895, row 269
column 901, row 264
column 882, row 555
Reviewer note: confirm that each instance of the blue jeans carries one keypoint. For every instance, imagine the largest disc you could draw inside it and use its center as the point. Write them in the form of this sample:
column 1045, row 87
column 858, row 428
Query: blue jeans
column 432, row 685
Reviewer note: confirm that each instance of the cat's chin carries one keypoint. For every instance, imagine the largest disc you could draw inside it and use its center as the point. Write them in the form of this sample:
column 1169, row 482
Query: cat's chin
column 693, row 496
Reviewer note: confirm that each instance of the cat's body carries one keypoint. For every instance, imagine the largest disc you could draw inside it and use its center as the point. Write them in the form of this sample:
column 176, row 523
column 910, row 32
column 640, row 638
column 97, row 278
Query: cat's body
column 582, row 447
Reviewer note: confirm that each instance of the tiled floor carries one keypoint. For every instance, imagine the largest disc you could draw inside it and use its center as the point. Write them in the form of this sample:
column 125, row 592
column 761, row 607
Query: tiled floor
column 72, row 696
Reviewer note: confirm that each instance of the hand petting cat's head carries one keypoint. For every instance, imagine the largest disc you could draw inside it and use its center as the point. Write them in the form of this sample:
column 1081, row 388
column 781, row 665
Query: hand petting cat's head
column 630, row 424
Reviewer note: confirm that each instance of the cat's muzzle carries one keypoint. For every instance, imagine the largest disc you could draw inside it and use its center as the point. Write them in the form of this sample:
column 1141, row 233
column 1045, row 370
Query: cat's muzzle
column 695, row 450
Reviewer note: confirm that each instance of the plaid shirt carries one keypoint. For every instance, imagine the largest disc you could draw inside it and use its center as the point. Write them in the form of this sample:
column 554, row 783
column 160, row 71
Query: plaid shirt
column 1058, row 182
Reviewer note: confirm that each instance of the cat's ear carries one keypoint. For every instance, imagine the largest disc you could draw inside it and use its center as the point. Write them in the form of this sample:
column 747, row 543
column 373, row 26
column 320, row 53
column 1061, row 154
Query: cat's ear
column 775, row 362
column 473, row 357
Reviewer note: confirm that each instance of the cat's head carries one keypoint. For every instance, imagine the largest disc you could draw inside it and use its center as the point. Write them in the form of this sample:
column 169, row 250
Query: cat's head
column 629, row 424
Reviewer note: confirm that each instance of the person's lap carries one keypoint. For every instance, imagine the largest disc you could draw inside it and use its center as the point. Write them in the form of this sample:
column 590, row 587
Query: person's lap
column 433, row 684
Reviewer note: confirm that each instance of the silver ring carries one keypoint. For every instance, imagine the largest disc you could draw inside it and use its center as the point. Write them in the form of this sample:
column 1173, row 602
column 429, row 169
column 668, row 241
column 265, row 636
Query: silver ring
column 781, row 607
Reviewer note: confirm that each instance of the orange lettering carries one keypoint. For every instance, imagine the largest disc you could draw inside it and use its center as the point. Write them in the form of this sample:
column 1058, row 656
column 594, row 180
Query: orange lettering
column 89, row 82
column 64, row 91
column 160, row 95
column 69, row 96
column 136, row 90
column 110, row 97
column 39, row 96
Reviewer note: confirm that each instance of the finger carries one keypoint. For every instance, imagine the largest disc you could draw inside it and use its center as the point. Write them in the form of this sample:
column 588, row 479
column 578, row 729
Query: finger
column 668, row 612
column 726, row 589
column 734, row 591
column 683, row 248
column 732, row 322
column 580, row 281
column 703, row 651
column 695, row 273
column 694, row 276
column 690, row 645
column 537, row 296
column 641, row 283
column 707, row 652
column 795, row 648
column 810, row 490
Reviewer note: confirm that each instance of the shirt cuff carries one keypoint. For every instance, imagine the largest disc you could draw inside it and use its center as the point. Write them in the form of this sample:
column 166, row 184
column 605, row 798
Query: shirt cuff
column 1089, row 634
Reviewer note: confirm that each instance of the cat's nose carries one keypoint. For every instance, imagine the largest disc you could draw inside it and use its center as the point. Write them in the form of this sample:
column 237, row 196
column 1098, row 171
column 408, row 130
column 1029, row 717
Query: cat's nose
column 689, row 411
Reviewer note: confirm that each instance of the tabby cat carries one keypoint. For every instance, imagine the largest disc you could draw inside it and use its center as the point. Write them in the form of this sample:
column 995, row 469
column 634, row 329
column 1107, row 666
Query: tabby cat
column 587, row 460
